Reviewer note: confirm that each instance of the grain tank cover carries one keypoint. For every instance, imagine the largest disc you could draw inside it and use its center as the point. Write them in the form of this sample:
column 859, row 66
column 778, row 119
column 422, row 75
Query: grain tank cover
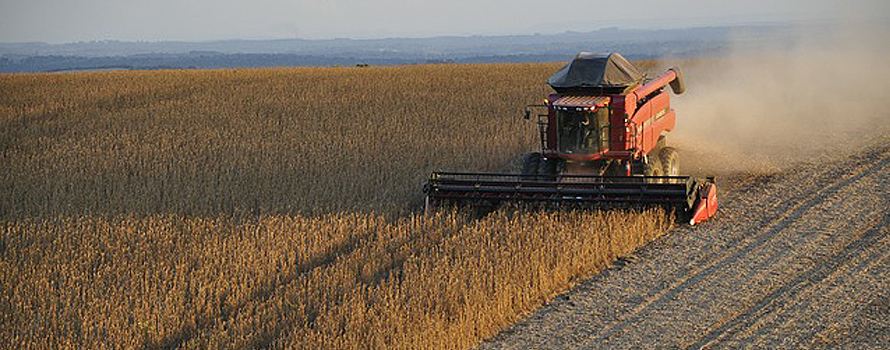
column 609, row 73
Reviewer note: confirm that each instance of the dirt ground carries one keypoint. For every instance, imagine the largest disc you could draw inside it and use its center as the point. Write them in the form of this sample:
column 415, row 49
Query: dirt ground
column 797, row 257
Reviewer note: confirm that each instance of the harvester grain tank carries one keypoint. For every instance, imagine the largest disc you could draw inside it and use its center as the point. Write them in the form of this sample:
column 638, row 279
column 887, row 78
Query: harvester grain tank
column 603, row 143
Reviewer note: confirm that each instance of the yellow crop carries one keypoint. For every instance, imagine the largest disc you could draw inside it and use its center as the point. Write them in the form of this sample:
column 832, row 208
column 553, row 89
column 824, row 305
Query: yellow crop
column 275, row 207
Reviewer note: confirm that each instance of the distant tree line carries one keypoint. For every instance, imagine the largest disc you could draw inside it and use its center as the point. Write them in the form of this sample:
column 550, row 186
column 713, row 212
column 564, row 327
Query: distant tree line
column 11, row 64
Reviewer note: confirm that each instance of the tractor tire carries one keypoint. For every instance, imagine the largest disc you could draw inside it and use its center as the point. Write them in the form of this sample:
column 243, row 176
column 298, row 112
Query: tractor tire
column 531, row 163
column 670, row 161
column 654, row 168
column 548, row 168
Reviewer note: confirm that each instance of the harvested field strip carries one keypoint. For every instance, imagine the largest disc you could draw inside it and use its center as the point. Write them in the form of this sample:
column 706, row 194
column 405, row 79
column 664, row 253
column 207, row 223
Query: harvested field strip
column 805, row 280
column 795, row 208
column 860, row 270
column 877, row 258
column 441, row 282
column 866, row 319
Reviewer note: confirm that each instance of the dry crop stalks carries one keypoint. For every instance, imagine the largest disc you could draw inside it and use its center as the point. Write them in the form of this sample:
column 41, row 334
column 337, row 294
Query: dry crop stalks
column 345, row 281
column 235, row 208
column 271, row 141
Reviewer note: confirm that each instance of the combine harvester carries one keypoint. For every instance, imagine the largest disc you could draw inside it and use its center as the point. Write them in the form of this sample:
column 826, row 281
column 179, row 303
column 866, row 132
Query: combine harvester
column 602, row 145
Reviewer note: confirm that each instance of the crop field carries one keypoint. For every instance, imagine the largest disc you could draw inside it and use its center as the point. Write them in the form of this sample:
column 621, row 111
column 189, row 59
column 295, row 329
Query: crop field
column 276, row 208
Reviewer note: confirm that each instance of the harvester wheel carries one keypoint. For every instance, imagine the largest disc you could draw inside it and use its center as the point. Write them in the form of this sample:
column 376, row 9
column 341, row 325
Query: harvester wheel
column 548, row 167
column 654, row 168
column 670, row 161
column 531, row 163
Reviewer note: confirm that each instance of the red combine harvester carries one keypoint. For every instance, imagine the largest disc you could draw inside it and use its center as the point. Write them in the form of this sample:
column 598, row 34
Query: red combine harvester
column 602, row 144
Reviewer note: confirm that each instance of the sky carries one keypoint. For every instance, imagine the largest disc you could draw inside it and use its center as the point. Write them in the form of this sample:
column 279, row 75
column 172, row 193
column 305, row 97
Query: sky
column 59, row 21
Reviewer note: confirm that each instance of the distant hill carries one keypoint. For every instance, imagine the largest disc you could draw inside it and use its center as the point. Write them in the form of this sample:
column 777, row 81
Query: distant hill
column 689, row 42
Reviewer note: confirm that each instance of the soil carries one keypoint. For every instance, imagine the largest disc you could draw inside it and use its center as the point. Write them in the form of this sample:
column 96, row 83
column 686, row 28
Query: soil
column 797, row 257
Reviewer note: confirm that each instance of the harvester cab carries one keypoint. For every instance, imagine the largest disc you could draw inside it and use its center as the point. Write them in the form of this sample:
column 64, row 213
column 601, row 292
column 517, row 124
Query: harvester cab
column 603, row 143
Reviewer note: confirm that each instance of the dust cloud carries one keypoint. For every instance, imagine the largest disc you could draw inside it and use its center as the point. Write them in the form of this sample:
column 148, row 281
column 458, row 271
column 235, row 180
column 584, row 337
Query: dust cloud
column 811, row 94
